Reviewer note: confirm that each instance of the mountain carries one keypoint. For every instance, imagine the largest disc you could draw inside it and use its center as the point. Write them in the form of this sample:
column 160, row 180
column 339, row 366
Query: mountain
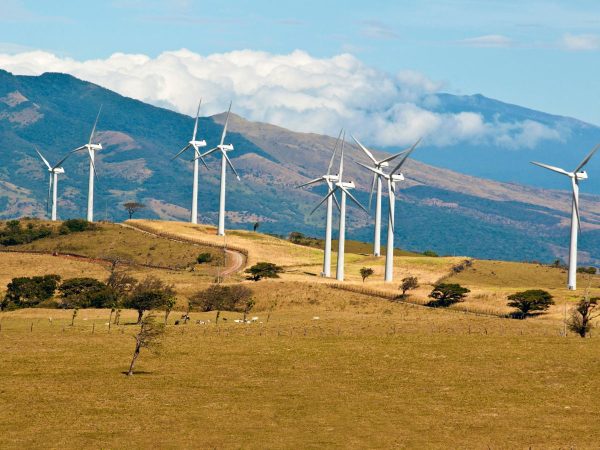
column 437, row 208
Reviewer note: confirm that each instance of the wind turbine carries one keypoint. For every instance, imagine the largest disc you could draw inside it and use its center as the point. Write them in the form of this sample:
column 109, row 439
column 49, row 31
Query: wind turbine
column 344, row 188
column 329, row 179
column 196, row 146
column 223, row 148
column 392, row 178
column 91, row 148
column 378, row 165
column 53, row 181
column 575, row 176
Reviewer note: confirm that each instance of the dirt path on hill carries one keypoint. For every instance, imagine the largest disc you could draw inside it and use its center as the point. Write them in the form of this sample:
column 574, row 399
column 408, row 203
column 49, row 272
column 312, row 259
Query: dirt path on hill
column 236, row 260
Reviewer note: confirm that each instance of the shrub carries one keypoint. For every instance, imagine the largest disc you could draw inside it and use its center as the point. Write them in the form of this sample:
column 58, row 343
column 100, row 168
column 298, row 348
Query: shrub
column 26, row 292
column 76, row 226
column 430, row 253
column 528, row 301
column 264, row 270
column 219, row 297
column 408, row 284
column 366, row 272
column 589, row 270
column 14, row 234
column 581, row 318
column 85, row 293
column 446, row 294
column 204, row 258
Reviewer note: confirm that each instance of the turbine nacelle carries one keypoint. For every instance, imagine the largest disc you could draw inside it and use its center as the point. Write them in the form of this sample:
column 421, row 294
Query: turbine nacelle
column 581, row 175
column 346, row 184
column 197, row 143
column 225, row 147
column 57, row 170
column 94, row 147
column 397, row 177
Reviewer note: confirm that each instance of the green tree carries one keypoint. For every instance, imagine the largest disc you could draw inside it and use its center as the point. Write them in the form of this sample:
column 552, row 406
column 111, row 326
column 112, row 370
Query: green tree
column 150, row 293
column 408, row 284
column 26, row 292
column 446, row 294
column 149, row 337
column 133, row 207
column 366, row 272
column 220, row 297
column 204, row 258
column 529, row 301
column 85, row 293
column 264, row 270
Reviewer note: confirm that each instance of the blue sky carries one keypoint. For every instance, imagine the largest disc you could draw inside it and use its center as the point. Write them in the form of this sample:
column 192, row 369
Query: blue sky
column 540, row 54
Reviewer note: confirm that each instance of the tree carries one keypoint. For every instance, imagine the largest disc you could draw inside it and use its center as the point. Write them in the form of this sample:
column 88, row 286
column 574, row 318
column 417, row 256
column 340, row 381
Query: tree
column 430, row 253
column 220, row 297
column 408, row 284
column 151, row 332
column 76, row 226
column 366, row 272
column 264, row 270
column 582, row 315
column 151, row 293
column 85, row 293
column 446, row 294
column 26, row 292
column 121, row 284
column 255, row 226
column 589, row 270
column 528, row 301
column 133, row 207
column 169, row 304
column 204, row 258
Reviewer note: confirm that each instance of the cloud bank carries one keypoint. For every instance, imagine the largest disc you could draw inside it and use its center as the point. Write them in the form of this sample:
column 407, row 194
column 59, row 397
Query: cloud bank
column 296, row 90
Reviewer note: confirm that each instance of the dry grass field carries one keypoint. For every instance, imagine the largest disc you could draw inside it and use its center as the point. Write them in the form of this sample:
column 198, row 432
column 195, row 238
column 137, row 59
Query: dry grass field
column 320, row 367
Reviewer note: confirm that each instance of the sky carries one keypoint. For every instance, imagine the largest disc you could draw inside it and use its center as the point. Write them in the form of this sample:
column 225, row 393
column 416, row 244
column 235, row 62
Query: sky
column 541, row 54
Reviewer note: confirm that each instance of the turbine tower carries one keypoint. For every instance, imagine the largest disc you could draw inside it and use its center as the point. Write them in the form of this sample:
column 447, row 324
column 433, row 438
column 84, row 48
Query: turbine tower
column 575, row 176
column 391, row 179
column 376, row 186
column 329, row 179
column 53, row 181
column 91, row 148
column 223, row 148
column 196, row 146
column 344, row 188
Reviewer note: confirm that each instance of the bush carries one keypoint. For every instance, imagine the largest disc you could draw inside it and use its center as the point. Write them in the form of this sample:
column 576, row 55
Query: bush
column 14, row 234
column 27, row 292
column 366, row 272
column 264, row 270
column 408, row 284
column 446, row 294
column 300, row 239
column 204, row 258
column 76, row 226
column 589, row 270
column 581, row 318
column 85, row 293
column 528, row 301
column 219, row 297
column 430, row 253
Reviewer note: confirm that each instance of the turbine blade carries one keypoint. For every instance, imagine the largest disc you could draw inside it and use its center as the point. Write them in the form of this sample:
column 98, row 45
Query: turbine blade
column 196, row 124
column 335, row 200
column 372, row 189
column 552, row 168
column 334, row 152
column 354, row 199
column 405, row 157
column 48, row 197
column 93, row 164
column 199, row 156
column 231, row 165
column 64, row 158
column 390, row 158
column 316, row 180
column 367, row 151
column 587, row 158
column 43, row 159
column 181, row 151
column 390, row 192
column 323, row 201
column 372, row 169
column 205, row 154
column 576, row 203
column 341, row 172
column 95, row 124
column 225, row 127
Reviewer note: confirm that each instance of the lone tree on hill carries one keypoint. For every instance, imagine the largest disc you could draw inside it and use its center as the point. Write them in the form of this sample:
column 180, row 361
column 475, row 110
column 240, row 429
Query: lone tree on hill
column 220, row 297
column 529, row 301
column 446, row 294
column 408, row 284
column 366, row 272
column 255, row 226
column 582, row 316
column 151, row 293
column 151, row 331
column 264, row 270
column 133, row 207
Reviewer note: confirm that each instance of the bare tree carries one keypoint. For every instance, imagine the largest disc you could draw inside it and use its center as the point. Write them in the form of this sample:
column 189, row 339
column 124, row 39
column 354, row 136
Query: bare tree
column 133, row 207
column 582, row 315
column 366, row 272
column 151, row 332
column 408, row 284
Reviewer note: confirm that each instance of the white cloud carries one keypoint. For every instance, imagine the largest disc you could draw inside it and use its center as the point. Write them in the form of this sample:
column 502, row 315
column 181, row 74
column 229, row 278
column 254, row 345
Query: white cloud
column 488, row 40
column 295, row 90
column 578, row 42
column 375, row 29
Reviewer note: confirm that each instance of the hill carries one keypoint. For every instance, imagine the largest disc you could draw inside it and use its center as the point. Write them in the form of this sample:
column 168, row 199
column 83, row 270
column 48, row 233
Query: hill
column 438, row 209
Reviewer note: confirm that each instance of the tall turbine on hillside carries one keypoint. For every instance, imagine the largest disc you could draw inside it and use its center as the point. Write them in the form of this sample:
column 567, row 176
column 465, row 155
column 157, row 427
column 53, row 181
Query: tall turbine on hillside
column 54, row 170
column 91, row 148
column 329, row 179
column 391, row 179
column 196, row 146
column 575, row 176
column 344, row 188
column 223, row 148
column 377, row 187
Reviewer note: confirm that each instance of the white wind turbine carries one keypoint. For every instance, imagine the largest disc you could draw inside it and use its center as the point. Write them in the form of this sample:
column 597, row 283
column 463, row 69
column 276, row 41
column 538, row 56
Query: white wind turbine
column 53, row 181
column 376, row 185
column 392, row 178
column 329, row 179
column 344, row 188
column 196, row 146
column 575, row 176
column 91, row 148
column 223, row 148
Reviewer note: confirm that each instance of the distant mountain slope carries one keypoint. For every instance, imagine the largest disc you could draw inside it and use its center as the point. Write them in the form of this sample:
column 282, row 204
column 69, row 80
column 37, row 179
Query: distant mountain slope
column 437, row 209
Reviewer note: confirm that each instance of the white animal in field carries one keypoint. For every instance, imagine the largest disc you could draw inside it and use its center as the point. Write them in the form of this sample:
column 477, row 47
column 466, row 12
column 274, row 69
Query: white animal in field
column 316, row 318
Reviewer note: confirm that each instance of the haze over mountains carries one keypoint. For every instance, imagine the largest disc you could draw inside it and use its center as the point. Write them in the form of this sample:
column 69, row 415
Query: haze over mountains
column 438, row 208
